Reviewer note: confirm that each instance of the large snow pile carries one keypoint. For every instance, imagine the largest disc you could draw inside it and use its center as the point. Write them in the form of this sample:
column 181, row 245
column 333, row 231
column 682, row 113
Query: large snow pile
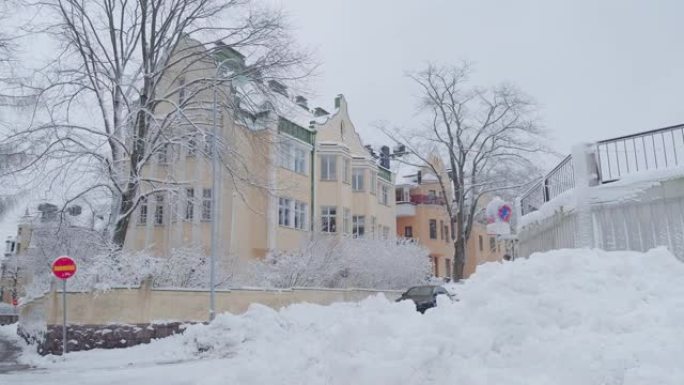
column 563, row 317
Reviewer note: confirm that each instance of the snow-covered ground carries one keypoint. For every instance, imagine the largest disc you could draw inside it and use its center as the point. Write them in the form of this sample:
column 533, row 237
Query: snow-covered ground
column 566, row 317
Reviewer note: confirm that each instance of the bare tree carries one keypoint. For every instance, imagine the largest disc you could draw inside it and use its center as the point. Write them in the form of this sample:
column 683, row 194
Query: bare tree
column 486, row 137
column 116, row 93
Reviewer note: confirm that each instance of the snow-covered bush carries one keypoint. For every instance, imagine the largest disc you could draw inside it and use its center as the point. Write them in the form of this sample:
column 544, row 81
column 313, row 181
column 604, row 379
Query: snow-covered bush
column 347, row 263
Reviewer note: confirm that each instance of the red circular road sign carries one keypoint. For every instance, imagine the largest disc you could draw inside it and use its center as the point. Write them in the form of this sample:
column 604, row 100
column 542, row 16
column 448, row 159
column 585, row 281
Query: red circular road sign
column 64, row 267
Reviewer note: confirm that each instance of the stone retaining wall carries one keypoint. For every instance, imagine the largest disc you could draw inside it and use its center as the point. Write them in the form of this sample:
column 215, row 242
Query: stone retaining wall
column 87, row 337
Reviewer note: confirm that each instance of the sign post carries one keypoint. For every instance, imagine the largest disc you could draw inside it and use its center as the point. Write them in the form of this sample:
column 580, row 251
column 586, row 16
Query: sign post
column 64, row 268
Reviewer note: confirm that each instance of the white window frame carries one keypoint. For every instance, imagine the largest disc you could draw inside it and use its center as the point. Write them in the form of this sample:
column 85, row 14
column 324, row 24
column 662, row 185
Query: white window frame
column 300, row 215
column 189, row 214
column 358, row 179
column 292, row 156
column 358, row 226
column 329, row 219
column 206, row 204
column 143, row 211
column 300, row 160
column 158, row 210
column 383, row 198
column 285, row 217
column 328, row 167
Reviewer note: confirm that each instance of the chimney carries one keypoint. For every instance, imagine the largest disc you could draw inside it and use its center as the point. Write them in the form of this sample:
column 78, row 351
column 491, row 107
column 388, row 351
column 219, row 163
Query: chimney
column 277, row 87
column 419, row 177
column 400, row 150
column 48, row 212
column 338, row 101
column 301, row 101
column 385, row 157
column 318, row 111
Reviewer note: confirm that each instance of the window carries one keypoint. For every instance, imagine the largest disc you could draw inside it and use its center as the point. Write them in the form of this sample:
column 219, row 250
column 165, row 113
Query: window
column 329, row 219
column 192, row 146
column 284, row 212
column 189, row 204
column 408, row 232
column 285, row 155
column 385, row 232
column 447, row 263
column 292, row 156
column 347, row 169
column 441, row 230
column 159, row 210
column 208, row 145
column 357, row 179
column 384, row 194
column 435, row 263
column 359, row 223
column 481, row 243
column 374, row 222
column 433, row 229
column 300, row 161
column 163, row 154
column 373, row 182
column 142, row 213
column 206, row 204
column 346, row 221
column 492, row 244
column 328, row 167
column 181, row 90
column 300, row 215
column 446, row 233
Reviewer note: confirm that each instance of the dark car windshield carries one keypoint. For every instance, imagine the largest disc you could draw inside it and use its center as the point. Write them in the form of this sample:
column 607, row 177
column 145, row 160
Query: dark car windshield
column 420, row 291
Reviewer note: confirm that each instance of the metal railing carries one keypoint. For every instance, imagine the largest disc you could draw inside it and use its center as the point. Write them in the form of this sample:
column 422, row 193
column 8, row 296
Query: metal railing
column 650, row 150
column 427, row 199
column 615, row 158
column 556, row 182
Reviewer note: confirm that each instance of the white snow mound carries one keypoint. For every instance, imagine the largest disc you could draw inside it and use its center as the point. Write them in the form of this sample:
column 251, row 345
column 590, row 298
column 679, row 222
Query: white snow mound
column 565, row 317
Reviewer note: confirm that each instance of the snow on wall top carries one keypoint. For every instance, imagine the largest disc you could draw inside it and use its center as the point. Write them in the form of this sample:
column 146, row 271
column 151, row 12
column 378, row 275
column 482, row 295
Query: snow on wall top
column 631, row 187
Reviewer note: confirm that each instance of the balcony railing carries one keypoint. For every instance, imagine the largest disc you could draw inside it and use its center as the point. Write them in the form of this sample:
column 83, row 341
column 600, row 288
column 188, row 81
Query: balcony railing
column 426, row 199
column 614, row 158
column 649, row 150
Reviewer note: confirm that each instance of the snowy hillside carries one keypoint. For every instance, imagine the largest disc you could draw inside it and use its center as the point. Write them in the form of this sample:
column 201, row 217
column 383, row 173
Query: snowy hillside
column 566, row 317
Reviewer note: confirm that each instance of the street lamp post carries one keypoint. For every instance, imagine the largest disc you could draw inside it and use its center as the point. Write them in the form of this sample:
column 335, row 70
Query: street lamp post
column 215, row 168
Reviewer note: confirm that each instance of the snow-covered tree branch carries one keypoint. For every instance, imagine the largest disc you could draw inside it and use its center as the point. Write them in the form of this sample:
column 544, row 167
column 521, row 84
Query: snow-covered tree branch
column 130, row 85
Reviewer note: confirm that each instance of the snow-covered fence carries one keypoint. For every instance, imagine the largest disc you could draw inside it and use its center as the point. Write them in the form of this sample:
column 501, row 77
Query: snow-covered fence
column 639, row 211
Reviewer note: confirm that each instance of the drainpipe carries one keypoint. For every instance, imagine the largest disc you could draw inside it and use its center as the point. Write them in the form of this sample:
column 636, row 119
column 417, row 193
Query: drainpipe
column 312, row 214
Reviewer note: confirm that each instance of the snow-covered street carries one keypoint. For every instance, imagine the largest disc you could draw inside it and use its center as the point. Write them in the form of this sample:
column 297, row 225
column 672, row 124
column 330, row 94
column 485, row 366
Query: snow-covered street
column 564, row 317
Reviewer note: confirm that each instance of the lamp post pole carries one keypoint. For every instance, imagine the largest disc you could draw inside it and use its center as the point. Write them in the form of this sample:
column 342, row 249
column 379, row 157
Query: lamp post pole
column 215, row 169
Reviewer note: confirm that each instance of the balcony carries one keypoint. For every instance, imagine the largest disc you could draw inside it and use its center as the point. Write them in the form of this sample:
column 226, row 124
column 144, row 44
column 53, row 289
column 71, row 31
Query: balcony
column 427, row 199
column 405, row 209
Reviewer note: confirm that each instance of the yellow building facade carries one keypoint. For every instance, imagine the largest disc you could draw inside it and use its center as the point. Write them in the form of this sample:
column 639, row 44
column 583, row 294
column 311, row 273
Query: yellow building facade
column 288, row 175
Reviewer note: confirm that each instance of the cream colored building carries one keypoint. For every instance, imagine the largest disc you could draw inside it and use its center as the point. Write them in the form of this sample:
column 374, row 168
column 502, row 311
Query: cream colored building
column 290, row 174
column 421, row 215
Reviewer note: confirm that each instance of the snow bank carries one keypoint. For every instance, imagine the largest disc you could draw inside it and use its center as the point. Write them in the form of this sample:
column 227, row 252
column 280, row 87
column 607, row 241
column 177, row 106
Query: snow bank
column 562, row 317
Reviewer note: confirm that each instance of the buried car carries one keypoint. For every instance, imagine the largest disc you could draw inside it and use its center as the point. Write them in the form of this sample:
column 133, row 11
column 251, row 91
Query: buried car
column 424, row 297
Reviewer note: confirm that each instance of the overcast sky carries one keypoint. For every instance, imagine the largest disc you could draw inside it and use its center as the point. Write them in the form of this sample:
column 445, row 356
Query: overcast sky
column 598, row 69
